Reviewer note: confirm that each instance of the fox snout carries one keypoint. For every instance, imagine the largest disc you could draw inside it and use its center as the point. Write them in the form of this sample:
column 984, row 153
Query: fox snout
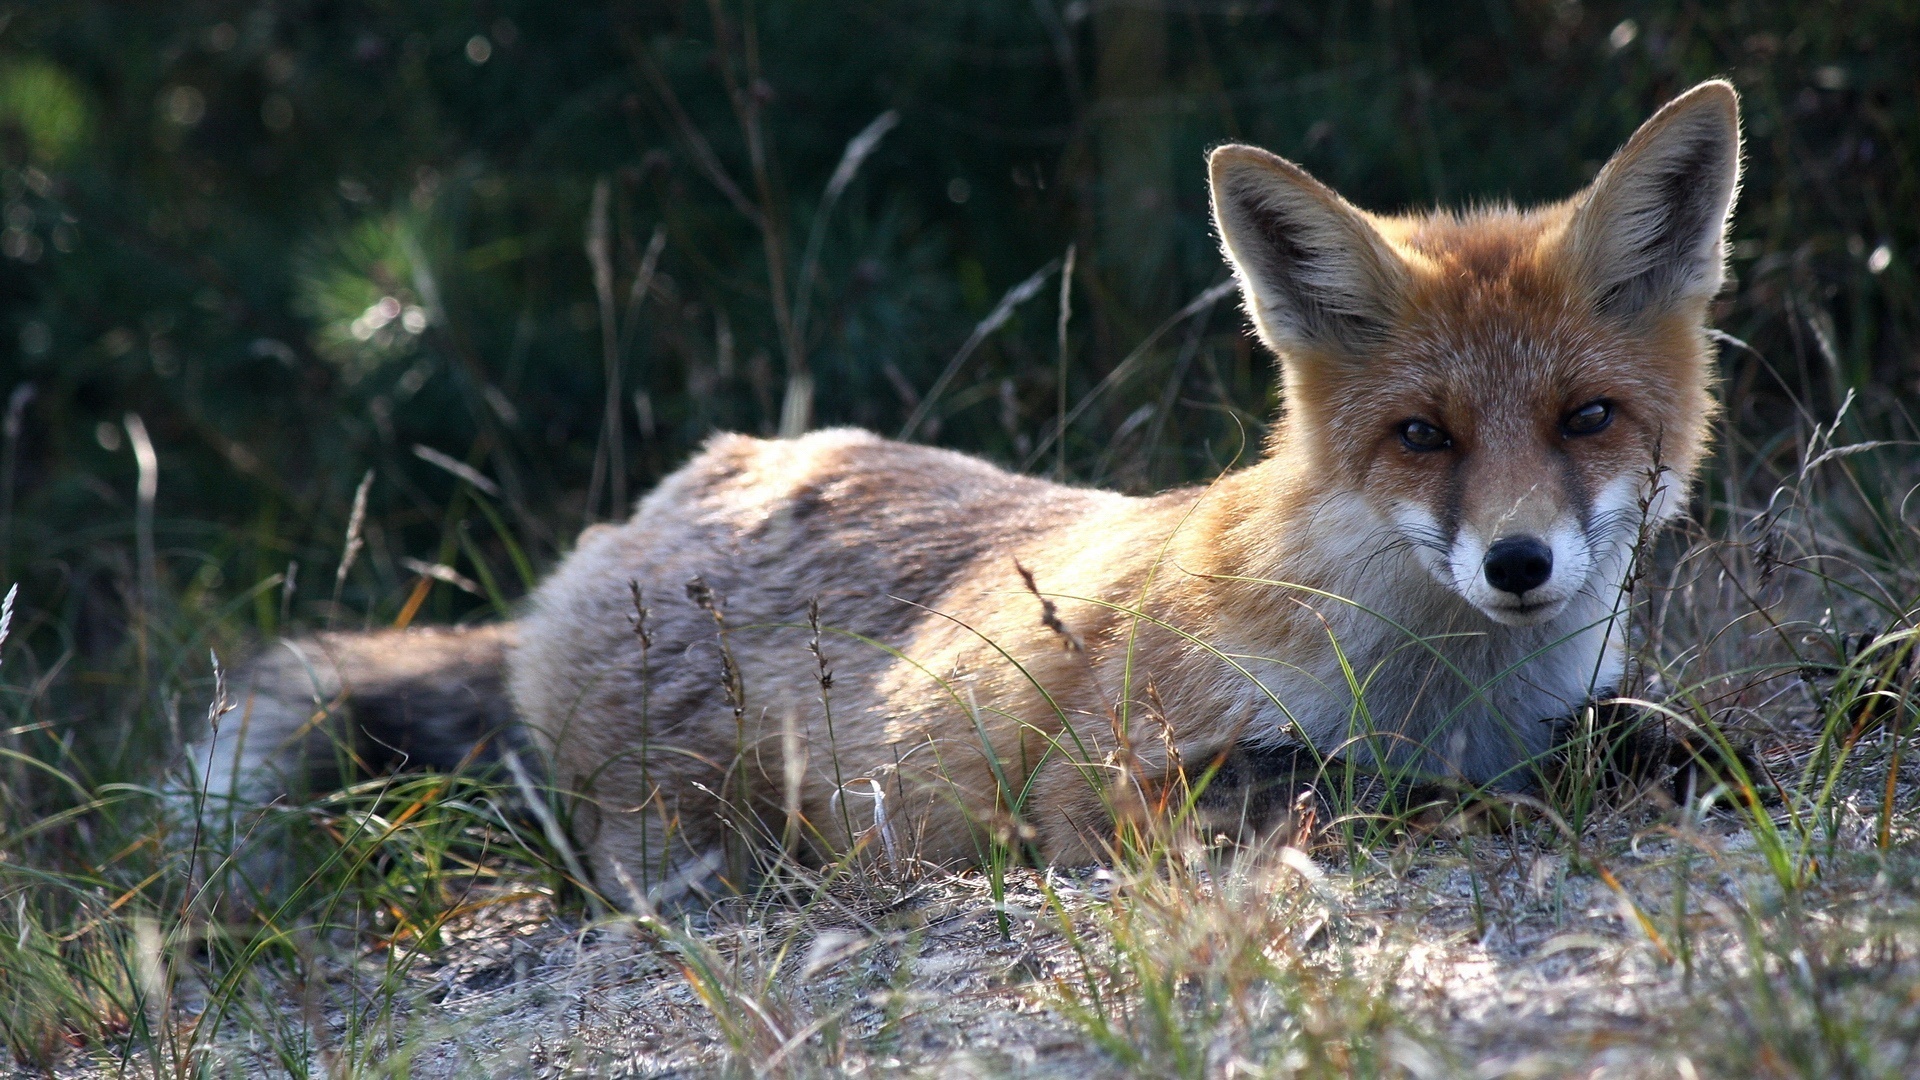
column 1522, row 577
column 1518, row 564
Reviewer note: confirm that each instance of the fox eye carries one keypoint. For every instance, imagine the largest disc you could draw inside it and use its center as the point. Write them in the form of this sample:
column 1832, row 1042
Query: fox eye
column 1422, row 436
column 1589, row 418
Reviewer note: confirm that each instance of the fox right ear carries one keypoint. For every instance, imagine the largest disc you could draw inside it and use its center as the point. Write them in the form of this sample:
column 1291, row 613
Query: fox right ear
column 1650, row 234
column 1315, row 274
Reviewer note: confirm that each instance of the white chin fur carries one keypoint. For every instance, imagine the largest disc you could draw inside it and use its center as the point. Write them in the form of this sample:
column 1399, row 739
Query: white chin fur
column 1524, row 614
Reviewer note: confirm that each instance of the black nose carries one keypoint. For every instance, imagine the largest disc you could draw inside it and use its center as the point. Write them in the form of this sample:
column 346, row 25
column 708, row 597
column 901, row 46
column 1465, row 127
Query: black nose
column 1516, row 564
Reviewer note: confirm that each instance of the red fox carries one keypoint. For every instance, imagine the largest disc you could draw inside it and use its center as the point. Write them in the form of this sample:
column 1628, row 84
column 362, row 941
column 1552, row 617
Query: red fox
column 892, row 645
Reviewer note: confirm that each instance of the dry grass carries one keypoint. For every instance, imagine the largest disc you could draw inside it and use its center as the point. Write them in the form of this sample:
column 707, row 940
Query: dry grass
column 1765, row 926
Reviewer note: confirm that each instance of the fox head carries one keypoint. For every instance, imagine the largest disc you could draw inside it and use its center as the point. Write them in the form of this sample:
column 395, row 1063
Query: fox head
column 1517, row 393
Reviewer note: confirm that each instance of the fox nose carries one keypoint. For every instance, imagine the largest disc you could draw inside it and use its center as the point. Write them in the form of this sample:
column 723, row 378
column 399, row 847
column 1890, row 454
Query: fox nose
column 1516, row 564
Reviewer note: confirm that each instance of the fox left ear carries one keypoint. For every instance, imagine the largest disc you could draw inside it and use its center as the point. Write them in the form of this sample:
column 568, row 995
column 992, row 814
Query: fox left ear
column 1650, row 233
column 1317, row 277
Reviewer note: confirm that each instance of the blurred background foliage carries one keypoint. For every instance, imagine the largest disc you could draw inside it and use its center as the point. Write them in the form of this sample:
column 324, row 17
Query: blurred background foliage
column 300, row 239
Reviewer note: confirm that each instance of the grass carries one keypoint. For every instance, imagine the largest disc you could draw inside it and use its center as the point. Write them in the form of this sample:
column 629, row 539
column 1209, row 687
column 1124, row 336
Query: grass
column 1764, row 924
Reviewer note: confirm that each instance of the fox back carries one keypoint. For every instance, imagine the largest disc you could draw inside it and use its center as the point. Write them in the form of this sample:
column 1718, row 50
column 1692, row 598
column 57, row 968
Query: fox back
column 840, row 641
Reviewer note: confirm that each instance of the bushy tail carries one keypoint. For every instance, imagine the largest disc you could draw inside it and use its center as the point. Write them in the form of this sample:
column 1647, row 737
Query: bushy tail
column 309, row 712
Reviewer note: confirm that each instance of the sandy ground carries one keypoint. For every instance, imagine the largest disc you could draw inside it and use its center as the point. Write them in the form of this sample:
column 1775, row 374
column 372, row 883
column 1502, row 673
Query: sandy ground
column 1517, row 967
column 1496, row 954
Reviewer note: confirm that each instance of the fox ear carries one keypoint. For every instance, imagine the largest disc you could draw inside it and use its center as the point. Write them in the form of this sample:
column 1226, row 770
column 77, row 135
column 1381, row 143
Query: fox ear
column 1651, row 231
column 1315, row 275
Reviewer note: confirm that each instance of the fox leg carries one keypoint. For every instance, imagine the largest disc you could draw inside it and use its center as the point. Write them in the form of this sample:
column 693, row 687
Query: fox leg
column 641, row 861
column 673, row 848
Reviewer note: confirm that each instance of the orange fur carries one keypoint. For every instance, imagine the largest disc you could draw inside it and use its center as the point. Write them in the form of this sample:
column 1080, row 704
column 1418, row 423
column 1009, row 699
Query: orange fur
column 1188, row 623
column 1483, row 413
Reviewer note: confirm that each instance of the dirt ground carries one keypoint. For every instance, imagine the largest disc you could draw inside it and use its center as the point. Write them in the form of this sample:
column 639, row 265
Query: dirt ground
column 1512, row 964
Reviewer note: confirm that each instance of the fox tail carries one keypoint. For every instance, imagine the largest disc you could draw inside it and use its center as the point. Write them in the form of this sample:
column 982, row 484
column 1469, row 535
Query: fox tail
column 309, row 713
